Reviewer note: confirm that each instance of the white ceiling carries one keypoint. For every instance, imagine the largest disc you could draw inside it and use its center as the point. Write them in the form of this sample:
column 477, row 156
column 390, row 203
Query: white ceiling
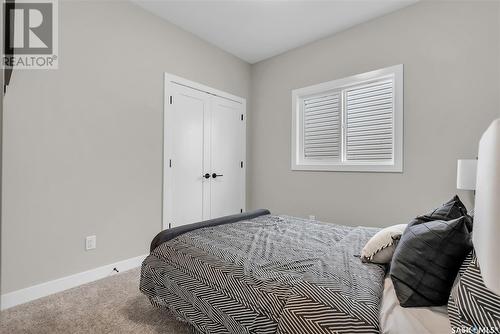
column 256, row 30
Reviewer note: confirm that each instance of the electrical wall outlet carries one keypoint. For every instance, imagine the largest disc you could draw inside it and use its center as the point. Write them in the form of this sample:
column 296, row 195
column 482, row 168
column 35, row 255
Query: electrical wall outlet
column 90, row 242
column 312, row 217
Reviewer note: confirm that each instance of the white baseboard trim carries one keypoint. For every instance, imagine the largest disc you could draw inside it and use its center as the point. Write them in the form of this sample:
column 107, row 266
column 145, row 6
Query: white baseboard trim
column 44, row 289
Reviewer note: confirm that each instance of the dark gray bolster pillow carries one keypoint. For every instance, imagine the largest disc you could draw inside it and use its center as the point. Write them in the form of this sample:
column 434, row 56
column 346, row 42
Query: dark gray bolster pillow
column 171, row 233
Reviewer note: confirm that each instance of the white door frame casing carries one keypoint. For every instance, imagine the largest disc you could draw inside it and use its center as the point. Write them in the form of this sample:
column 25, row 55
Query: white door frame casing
column 169, row 80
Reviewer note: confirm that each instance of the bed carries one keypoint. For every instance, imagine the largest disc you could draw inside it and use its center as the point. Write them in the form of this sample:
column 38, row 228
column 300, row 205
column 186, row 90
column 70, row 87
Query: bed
column 263, row 273
column 267, row 274
column 271, row 274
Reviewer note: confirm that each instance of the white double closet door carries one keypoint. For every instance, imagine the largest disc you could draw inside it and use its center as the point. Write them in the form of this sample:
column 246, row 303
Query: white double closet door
column 204, row 154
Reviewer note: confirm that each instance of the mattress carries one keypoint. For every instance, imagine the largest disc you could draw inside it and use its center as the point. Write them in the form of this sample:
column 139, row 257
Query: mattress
column 270, row 274
column 395, row 319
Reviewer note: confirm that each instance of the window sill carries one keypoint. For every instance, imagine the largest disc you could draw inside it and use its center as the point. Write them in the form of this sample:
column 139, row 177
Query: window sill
column 380, row 168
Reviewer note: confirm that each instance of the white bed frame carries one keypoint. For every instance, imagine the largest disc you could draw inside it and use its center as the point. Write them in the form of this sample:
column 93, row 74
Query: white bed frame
column 486, row 233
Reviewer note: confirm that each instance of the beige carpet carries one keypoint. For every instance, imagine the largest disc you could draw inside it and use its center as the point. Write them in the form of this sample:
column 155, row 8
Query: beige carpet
column 111, row 305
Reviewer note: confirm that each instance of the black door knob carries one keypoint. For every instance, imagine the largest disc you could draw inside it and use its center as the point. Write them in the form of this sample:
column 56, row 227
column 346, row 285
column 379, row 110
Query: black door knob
column 206, row 176
column 214, row 175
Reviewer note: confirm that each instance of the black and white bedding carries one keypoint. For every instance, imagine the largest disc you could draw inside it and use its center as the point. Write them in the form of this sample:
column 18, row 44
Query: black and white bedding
column 270, row 274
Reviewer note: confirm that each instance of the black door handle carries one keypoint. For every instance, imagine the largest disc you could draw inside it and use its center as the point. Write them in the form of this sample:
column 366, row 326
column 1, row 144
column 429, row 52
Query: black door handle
column 206, row 176
column 214, row 175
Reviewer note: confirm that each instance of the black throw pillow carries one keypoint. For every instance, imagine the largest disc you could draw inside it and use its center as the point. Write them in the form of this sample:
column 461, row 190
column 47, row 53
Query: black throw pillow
column 452, row 209
column 427, row 259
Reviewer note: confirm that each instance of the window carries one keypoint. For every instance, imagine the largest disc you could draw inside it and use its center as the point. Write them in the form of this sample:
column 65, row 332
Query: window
column 350, row 124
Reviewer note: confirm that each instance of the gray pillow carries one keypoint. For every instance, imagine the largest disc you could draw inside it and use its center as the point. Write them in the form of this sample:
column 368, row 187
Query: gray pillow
column 427, row 259
column 452, row 209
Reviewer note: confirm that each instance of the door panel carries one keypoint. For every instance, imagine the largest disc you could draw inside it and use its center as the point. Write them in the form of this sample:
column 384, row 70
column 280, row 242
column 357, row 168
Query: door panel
column 227, row 153
column 203, row 133
column 185, row 140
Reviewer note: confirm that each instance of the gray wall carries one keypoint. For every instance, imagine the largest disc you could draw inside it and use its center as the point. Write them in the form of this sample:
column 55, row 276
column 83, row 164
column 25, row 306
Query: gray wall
column 450, row 51
column 83, row 143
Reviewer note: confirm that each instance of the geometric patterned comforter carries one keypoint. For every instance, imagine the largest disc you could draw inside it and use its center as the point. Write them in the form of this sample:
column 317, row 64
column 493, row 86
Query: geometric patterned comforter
column 271, row 274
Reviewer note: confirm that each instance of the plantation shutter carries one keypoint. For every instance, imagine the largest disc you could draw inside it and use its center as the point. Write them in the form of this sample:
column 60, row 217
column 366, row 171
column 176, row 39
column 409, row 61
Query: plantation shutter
column 369, row 112
column 322, row 126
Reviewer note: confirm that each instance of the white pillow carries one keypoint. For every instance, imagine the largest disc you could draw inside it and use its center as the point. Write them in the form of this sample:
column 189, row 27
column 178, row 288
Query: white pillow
column 380, row 248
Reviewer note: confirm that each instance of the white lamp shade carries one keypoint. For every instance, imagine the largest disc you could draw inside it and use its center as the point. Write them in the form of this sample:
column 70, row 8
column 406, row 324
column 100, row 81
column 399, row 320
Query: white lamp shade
column 486, row 231
column 466, row 174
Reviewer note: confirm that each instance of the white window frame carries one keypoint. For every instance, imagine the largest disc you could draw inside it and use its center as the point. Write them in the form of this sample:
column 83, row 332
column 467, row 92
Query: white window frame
column 299, row 162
